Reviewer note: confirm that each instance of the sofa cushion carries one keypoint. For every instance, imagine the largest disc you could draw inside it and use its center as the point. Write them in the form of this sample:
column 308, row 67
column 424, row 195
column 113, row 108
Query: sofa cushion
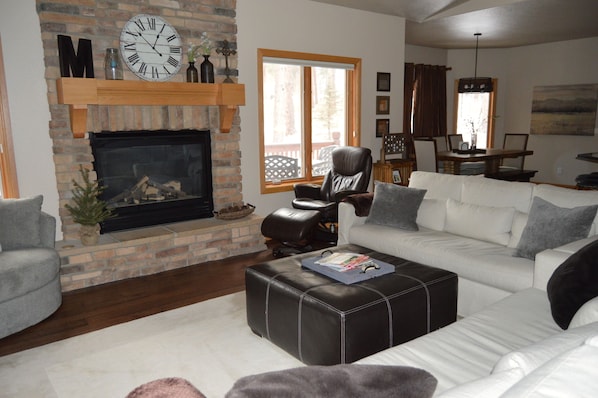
column 395, row 206
column 25, row 270
column 437, row 185
column 19, row 222
column 588, row 313
column 432, row 214
column 490, row 224
column 571, row 374
column 492, row 386
column 549, row 226
column 497, row 193
column 519, row 222
column 533, row 356
column 573, row 283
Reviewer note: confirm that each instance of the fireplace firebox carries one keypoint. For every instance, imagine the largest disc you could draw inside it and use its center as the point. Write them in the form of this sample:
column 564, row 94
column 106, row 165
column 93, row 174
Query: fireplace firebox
column 154, row 177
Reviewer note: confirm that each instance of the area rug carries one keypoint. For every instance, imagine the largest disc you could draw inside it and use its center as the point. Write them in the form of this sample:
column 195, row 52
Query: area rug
column 208, row 344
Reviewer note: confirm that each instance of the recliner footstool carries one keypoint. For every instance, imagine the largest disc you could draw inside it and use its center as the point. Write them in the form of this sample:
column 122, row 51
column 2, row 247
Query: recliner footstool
column 292, row 227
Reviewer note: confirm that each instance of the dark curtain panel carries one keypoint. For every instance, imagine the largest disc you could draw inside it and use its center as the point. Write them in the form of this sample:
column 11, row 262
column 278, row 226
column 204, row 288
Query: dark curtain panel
column 429, row 108
column 408, row 105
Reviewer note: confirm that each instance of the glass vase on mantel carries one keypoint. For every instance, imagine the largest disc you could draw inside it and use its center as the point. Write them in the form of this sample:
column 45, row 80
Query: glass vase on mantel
column 192, row 74
column 207, row 70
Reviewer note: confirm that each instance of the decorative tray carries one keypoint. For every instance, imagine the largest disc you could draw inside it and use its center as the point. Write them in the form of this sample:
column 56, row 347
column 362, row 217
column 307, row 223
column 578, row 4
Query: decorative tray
column 234, row 212
column 469, row 151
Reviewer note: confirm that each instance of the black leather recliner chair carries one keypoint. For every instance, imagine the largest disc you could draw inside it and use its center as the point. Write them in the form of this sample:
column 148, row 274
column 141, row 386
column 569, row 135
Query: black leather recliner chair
column 350, row 174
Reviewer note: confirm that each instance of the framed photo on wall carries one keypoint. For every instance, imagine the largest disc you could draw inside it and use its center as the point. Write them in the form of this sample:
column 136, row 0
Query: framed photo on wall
column 382, row 105
column 382, row 127
column 383, row 81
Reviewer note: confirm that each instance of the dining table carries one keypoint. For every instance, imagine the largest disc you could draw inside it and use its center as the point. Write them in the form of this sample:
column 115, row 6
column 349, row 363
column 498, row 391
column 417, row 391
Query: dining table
column 490, row 156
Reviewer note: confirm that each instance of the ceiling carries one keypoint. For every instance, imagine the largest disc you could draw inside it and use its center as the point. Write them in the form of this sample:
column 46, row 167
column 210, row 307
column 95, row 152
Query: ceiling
column 503, row 23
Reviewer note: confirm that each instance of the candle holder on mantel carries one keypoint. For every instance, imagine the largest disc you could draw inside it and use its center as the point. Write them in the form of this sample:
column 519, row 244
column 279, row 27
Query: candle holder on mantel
column 226, row 51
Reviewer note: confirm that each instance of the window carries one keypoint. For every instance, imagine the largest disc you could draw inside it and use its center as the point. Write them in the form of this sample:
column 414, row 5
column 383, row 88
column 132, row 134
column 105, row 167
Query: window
column 308, row 105
column 8, row 172
column 474, row 112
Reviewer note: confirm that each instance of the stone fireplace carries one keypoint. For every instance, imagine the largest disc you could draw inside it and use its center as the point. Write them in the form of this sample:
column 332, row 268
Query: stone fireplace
column 138, row 252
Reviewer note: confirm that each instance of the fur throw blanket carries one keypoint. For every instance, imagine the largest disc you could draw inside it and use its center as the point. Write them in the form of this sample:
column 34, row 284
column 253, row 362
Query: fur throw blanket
column 338, row 381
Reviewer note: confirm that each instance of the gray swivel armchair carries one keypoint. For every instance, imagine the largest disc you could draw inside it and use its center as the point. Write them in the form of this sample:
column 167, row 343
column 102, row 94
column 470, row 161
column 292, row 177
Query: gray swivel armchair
column 29, row 266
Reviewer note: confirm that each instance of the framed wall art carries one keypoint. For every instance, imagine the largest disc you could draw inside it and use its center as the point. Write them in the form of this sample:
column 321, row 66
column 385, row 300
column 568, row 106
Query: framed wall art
column 383, row 81
column 382, row 105
column 382, row 127
column 565, row 110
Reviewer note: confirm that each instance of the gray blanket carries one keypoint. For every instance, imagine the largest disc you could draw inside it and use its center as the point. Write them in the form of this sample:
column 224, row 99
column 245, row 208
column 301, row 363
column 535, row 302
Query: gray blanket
column 342, row 381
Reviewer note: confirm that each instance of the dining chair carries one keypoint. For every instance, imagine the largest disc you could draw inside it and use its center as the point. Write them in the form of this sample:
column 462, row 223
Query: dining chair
column 441, row 145
column 425, row 155
column 454, row 140
column 511, row 169
column 514, row 141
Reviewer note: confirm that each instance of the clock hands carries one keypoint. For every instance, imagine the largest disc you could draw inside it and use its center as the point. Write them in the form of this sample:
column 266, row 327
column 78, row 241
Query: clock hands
column 158, row 36
column 153, row 48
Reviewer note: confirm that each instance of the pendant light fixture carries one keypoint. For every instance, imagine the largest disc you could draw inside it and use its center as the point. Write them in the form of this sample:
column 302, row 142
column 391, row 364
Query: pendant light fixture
column 475, row 84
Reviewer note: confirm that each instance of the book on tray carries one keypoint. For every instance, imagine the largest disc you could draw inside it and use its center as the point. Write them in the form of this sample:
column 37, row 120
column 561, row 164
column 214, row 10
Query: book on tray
column 348, row 267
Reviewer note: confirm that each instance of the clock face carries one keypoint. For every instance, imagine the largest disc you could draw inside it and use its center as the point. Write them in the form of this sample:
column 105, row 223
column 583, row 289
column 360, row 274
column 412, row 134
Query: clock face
column 151, row 47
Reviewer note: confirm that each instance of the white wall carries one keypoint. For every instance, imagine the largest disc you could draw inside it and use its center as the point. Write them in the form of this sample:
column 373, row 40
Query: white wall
column 425, row 55
column 519, row 70
column 316, row 28
column 29, row 112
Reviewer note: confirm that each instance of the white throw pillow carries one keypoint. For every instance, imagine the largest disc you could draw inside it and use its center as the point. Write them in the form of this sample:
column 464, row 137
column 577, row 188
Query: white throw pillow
column 519, row 223
column 490, row 386
column 535, row 355
column 588, row 313
column 572, row 374
column 491, row 224
column 431, row 214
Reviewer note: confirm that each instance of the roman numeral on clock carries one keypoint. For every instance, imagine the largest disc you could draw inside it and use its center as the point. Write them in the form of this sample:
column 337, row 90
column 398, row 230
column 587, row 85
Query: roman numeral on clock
column 133, row 59
column 173, row 62
column 143, row 68
column 152, row 23
column 171, row 38
column 175, row 50
column 140, row 25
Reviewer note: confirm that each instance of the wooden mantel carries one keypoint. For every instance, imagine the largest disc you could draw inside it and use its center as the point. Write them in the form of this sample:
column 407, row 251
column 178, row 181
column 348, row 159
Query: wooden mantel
column 78, row 93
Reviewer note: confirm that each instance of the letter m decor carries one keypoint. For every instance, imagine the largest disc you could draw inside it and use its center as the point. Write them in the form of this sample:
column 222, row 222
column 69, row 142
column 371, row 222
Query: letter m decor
column 79, row 63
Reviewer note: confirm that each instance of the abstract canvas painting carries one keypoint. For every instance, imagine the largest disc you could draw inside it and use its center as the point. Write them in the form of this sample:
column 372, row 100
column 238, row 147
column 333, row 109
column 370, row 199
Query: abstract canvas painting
column 565, row 110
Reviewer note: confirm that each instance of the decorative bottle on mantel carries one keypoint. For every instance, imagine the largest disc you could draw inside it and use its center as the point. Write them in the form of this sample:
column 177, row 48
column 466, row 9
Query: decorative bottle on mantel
column 207, row 70
column 112, row 65
column 192, row 75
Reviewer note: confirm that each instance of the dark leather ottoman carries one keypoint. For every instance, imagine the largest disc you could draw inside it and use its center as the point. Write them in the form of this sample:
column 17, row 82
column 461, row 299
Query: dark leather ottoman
column 324, row 322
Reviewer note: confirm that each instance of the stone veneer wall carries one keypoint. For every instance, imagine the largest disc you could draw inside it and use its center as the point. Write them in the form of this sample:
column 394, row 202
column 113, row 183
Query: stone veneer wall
column 101, row 21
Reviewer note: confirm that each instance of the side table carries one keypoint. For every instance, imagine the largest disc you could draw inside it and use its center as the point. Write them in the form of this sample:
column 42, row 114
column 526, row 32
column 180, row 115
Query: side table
column 387, row 171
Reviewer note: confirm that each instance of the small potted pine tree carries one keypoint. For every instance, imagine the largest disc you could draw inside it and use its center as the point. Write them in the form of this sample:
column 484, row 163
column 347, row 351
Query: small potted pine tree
column 88, row 209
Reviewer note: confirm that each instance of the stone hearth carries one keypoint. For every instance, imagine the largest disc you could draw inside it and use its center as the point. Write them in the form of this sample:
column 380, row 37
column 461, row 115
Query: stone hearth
column 149, row 250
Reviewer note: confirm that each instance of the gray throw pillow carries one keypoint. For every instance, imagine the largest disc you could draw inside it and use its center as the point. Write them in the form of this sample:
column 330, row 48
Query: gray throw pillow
column 395, row 206
column 549, row 226
column 20, row 223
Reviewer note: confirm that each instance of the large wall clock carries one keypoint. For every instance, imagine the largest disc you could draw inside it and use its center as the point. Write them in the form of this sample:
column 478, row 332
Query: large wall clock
column 151, row 47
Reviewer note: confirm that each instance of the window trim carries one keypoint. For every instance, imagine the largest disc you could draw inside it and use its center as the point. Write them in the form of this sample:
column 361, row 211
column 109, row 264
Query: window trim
column 10, row 186
column 353, row 110
column 491, row 111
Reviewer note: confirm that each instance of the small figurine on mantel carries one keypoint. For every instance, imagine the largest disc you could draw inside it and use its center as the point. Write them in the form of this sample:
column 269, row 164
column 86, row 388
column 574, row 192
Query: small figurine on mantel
column 226, row 51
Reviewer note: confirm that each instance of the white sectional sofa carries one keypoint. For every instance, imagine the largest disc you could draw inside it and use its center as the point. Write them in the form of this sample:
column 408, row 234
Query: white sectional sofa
column 472, row 226
column 508, row 344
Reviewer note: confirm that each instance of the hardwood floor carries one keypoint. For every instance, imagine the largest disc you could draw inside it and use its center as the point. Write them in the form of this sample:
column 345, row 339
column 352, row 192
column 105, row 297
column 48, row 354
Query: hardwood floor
column 85, row 310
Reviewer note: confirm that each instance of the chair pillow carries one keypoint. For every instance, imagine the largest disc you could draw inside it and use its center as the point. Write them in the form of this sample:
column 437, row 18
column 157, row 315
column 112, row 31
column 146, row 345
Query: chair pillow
column 588, row 313
column 395, row 206
column 573, row 283
column 20, row 222
column 549, row 226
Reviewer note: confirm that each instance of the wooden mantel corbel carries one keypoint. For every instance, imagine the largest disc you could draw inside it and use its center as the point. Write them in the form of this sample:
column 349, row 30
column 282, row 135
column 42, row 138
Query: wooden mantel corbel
column 78, row 93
